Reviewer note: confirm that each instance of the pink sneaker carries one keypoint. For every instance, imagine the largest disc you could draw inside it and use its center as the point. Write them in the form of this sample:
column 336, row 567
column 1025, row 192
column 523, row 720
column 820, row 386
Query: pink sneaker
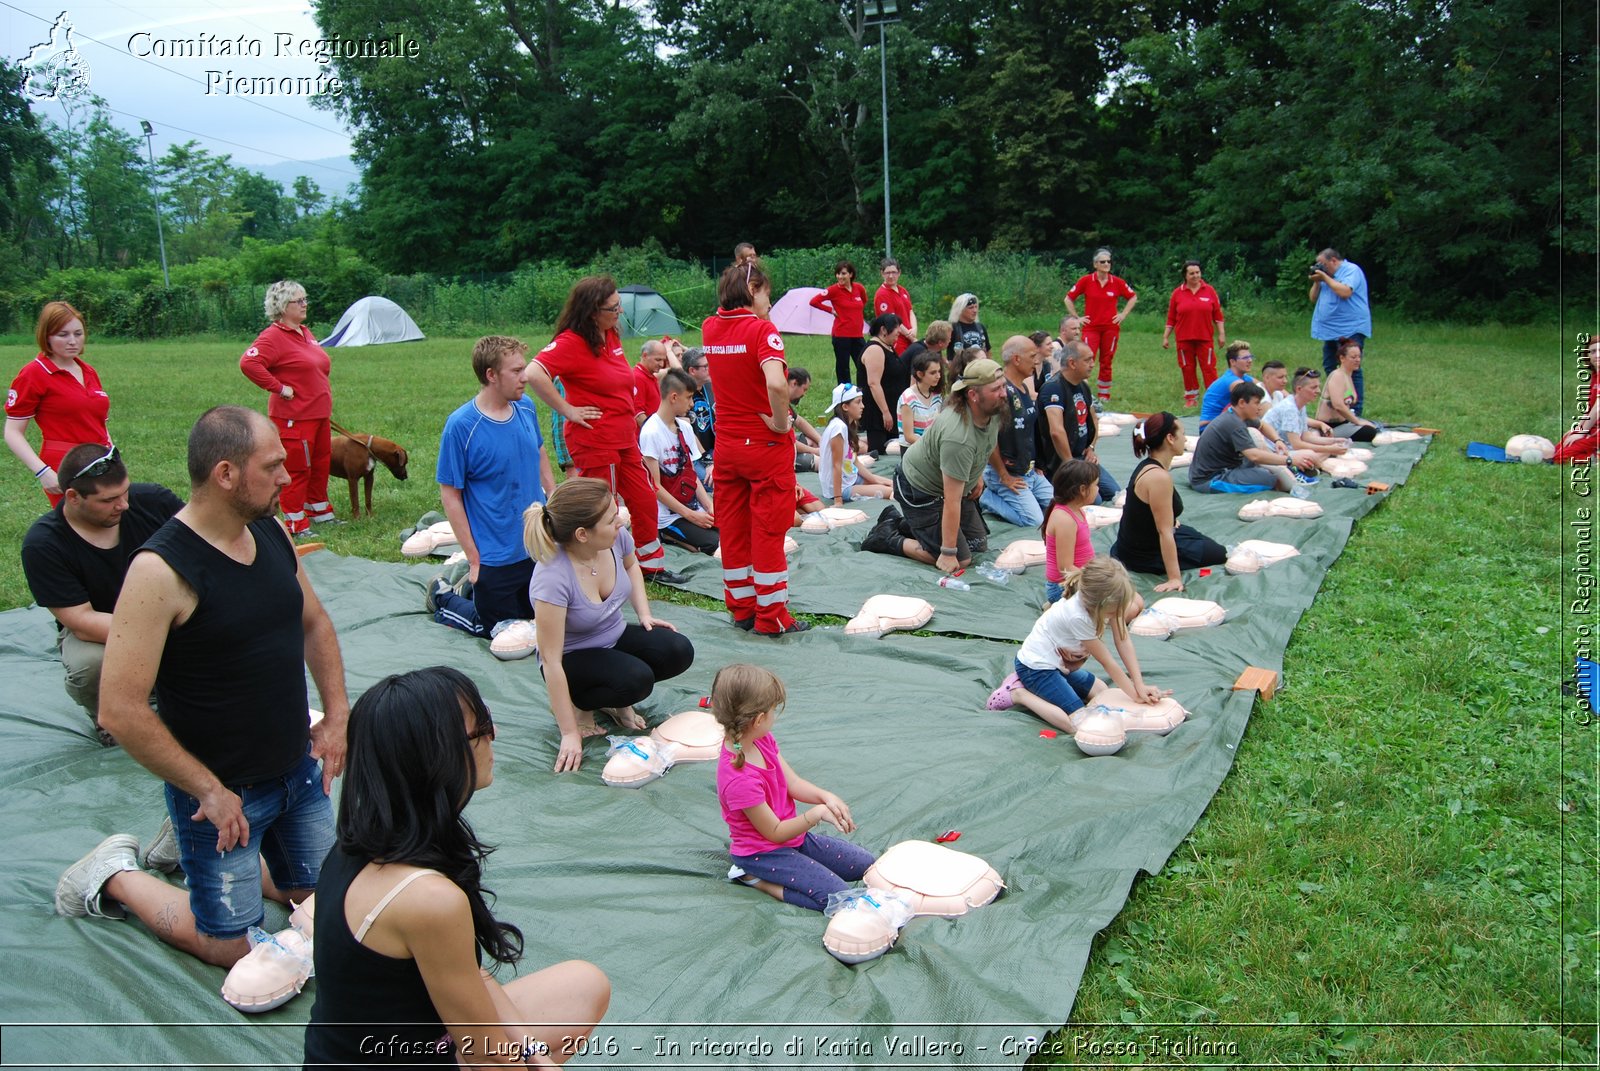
column 1000, row 698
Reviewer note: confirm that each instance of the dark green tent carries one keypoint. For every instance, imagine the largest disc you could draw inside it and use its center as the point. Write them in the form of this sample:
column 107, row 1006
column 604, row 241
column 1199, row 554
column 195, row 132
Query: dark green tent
column 646, row 314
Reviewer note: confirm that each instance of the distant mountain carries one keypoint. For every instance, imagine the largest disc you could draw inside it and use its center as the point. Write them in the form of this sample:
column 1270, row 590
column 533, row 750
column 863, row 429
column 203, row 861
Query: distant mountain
column 336, row 176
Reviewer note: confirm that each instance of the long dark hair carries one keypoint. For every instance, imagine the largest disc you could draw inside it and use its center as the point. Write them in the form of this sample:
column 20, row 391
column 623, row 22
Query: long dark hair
column 409, row 774
column 583, row 306
column 1071, row 478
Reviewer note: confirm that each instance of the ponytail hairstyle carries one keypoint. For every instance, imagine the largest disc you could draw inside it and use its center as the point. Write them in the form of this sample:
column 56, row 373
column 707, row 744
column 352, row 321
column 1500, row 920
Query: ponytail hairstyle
column 1155, row 430
column 578, row 503
column 887, row 323
column 740, row 694
column 1104, row 591
column 737, row 287
column 584, row 301
column 1072, row 476
column 410, row 771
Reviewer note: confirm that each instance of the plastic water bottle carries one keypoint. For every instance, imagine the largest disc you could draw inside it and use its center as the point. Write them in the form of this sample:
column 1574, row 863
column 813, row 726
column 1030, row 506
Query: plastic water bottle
column 994, row 574
column 954, row 583
column 1300, row 490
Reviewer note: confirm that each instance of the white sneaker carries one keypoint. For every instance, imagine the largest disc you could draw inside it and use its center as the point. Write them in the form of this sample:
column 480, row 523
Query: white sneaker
column 78, row 891
column 736, row 874
column 162, row 853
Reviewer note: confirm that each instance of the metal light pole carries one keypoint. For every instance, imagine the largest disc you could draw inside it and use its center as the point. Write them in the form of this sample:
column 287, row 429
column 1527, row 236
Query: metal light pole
column 881, row 13
column 149, row 136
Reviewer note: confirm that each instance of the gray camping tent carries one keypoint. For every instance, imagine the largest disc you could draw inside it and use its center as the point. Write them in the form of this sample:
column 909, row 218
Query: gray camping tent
column 371, row 321
column 646, row 313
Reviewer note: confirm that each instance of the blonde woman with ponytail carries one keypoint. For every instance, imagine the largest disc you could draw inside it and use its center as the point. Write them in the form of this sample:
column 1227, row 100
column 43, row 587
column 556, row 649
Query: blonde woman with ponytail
column 1050, row 666
column 773, row 848
column 590, row 657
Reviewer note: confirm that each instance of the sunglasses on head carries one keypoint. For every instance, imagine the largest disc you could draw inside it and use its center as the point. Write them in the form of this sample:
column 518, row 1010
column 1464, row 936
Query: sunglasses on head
column 99, row 466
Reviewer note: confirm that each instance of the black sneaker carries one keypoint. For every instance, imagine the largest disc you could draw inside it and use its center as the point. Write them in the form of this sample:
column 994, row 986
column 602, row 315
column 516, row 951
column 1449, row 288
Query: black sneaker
column 885, row 537
column 1346, row 483
column 748, row 624
column 796, row 625
column 666, row 576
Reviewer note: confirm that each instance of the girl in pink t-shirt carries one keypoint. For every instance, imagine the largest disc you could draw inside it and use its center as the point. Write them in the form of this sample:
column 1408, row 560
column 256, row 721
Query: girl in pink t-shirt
column 773, row 848
column 1076, row 485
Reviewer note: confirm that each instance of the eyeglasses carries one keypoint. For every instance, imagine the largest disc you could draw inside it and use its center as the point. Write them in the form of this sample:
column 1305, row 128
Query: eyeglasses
column 99, row 466
column 1102, row 262
column 485, row 728
column 613, row 309
column 300, row 301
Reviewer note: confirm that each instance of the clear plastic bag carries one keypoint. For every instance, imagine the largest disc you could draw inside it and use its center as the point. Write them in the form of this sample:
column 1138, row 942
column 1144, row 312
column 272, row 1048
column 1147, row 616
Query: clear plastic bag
column 891, row 904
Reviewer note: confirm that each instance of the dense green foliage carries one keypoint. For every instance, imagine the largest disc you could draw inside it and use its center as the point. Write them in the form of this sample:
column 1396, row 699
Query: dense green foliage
column 1446, row 148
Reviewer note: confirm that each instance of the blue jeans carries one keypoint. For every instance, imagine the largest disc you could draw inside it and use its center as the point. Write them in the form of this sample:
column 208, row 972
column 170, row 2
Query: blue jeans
column 1025, row 507
column 1069, row 691
column 1052, row 592
column 818, row 867
column 291, row 827
column 1330, row 361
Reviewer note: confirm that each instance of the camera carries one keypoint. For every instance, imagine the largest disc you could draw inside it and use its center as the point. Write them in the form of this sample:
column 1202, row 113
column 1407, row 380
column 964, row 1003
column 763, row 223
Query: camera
column 1316, row 267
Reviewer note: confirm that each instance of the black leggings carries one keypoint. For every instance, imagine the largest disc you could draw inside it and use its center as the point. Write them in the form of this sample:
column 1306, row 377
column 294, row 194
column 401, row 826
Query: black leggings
column 1194, row 551
column 626, row 672
column 846, row 353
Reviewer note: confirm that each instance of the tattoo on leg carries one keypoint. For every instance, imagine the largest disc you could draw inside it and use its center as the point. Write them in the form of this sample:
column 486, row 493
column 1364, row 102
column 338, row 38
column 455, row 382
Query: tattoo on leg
column 166, row 922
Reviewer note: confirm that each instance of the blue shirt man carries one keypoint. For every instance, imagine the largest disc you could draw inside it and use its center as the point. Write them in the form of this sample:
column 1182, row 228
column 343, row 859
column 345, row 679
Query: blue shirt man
column 492, row 466
column 1240, row 362
column 1342, row 310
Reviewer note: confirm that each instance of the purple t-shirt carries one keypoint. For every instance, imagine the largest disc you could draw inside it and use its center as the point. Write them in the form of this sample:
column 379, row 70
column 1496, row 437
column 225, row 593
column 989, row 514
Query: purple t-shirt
column 751, row 787
column 590, row 624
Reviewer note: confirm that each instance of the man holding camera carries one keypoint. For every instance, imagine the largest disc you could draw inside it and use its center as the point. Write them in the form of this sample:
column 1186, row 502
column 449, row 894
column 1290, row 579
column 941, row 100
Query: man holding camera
column 1339, row 292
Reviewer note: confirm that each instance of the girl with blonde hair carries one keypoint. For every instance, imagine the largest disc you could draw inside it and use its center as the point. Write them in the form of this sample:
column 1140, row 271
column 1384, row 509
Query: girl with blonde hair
column 590, row 657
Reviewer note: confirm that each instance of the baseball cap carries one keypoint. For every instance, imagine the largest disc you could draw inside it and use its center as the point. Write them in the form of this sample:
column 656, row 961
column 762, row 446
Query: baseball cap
column 844, row 392
column 979, row 373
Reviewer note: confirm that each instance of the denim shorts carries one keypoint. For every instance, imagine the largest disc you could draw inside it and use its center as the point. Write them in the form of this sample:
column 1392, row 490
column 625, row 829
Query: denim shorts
column 291, row 827
column 1069, row 691
column 1052, row 592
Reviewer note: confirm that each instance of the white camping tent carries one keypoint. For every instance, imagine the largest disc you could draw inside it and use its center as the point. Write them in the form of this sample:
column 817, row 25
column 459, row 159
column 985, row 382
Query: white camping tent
column 371, row 321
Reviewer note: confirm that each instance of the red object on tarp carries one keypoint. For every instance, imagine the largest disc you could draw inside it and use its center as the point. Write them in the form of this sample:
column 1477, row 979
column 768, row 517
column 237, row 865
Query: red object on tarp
column 1048, row 734
column 947, row 836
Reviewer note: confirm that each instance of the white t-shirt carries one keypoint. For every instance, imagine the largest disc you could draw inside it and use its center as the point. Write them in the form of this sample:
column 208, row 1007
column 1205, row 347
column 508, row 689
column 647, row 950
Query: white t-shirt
column 1286, row 417
column 1064, row 624
column 837, row 429
column 666, row 446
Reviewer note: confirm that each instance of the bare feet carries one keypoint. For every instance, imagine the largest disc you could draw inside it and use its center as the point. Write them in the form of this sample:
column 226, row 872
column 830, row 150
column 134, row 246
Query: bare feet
column 586, row 725
column 628, row 718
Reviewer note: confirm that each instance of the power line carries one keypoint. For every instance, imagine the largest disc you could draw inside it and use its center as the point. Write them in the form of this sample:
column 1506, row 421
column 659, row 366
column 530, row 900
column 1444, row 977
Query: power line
column 178, row 74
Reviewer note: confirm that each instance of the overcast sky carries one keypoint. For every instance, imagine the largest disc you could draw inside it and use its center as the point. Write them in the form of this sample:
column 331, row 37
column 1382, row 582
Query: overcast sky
column 123, row 51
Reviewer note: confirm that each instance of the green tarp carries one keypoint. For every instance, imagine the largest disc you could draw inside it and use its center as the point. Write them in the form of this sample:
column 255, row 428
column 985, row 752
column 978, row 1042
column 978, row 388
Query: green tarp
column 633, row 880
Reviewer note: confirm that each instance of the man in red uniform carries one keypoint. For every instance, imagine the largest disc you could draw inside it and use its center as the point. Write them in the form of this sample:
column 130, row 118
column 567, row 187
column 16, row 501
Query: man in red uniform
column 892, row 297
column 601, row 433
column 646, row 385
column 1102, row 322
column 755, row 451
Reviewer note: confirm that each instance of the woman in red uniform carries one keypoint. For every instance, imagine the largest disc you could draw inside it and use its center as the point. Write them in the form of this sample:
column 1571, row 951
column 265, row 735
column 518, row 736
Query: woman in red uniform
column 892, row 297
column 844, row 300
column 601, row 434
column 62, row 393
column 286, row 361
column 1102, row 323
column 1195, row 315
column 755, row 452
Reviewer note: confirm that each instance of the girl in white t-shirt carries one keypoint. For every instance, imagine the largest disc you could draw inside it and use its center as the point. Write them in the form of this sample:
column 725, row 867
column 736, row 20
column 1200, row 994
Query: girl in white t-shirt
column 921, row 401
column 842, row 478
column 1050, row 664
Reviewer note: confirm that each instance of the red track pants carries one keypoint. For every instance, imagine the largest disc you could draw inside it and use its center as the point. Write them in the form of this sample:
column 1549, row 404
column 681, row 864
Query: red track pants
column 755, row 506
column 624, row 470
column 1103, row 340
column 307, row 442
column 1191, row 353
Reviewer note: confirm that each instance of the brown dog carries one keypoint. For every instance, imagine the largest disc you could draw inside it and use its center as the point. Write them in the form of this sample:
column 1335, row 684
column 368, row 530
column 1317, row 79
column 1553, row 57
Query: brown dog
column 356, row 458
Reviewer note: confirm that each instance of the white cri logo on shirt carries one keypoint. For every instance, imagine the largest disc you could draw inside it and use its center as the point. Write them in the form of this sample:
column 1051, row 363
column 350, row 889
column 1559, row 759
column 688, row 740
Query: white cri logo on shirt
column 775, row 341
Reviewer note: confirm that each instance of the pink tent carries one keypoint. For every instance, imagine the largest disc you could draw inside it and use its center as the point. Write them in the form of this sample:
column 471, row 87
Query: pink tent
column 794, row 315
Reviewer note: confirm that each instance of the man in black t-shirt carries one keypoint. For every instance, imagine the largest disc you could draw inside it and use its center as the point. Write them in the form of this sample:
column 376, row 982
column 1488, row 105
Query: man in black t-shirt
column 702, row 410
column 74, row 559
column 218, row 616
column 1013, row 488
column 1068, row 427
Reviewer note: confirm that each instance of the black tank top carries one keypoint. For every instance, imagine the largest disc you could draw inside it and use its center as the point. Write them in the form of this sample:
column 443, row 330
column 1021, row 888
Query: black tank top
column 232, row 682
column 371, row 1008
column 1137, row 540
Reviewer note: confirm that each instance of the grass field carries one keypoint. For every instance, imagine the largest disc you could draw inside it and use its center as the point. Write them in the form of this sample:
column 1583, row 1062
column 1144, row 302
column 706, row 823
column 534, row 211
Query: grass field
column 1401, row 867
